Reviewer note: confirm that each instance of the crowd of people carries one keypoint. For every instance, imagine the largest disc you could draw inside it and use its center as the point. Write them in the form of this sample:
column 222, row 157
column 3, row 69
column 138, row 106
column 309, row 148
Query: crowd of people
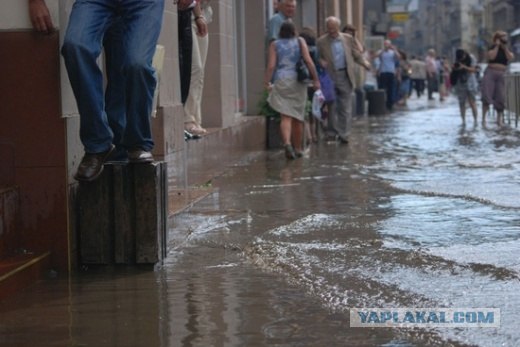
column 334, row 55
column 400, row 77
column 338, row 53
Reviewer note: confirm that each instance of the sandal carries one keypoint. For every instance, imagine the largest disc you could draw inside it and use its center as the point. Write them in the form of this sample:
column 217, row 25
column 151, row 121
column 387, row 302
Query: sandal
column 289, row 152
column 195, row 129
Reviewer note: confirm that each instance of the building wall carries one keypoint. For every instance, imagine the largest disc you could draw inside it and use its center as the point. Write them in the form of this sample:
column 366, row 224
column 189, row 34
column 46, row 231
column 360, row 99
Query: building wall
column 32, row 133
column 447, row 25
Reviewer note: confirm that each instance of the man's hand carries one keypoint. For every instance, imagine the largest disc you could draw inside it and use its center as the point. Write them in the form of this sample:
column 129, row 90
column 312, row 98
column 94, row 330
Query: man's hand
column 202, row 27
column 40, row 17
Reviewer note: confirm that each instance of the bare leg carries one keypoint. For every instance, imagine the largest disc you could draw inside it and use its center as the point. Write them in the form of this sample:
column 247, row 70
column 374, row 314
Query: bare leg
column 462, row 108
column 308, row 134
column 313, row 124
column 485, row 109
column 285, row 129
column 500, row 117
column 297, row 135
column 473, row 106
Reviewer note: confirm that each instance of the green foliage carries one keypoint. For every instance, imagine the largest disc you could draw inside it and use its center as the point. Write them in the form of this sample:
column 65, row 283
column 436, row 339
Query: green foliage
column 264, row 107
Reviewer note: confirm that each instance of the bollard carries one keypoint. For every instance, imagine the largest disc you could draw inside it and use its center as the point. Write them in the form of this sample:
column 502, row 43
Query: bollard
column 376, row 102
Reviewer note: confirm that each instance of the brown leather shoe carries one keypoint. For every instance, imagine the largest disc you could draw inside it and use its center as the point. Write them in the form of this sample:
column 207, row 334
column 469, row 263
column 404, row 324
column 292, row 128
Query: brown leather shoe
column 138, row 155
column 91, row 165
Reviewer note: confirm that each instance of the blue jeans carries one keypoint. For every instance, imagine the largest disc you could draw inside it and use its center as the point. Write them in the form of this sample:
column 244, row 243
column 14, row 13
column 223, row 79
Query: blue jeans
column 115, row 101
column 131, row 53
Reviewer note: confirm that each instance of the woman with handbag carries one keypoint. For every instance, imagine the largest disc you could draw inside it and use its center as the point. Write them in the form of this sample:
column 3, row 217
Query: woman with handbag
column 287, row 94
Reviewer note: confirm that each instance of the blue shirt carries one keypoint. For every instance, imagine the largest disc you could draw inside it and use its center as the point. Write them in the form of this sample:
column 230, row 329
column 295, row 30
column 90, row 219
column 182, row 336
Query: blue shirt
column 388, row 60
column 287, row 55
column 275, row 23
column 338, row 53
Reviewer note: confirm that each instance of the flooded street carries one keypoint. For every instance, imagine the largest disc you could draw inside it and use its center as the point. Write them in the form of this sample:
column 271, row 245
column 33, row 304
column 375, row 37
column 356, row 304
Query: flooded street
column 417, row 211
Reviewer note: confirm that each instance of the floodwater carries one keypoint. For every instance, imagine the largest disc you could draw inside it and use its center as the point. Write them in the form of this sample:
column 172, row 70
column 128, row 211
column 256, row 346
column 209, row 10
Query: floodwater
column 417, row 211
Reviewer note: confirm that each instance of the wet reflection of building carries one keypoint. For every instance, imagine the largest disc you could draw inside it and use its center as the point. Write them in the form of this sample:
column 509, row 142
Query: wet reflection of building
column 120, row 309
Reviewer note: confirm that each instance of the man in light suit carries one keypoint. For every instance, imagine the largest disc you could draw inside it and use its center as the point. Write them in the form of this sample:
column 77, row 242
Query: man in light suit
column 338, row 56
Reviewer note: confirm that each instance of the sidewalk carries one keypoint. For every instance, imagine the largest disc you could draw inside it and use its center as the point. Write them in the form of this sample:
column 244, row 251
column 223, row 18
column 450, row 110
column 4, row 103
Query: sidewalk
column 210, row 156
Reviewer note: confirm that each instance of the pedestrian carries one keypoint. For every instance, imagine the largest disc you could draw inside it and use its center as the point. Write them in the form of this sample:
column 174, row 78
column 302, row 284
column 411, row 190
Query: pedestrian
column 370, row 83
column 311, row 123
column 431, row 73
column 287, row 95
column 405, row 71
column 446, row 67
column 418, row 75
column 493, row 83
column 114, row 99
column 286, row 10
column 337, row 56
column 440, row 78
column 185, row 39
column 389, row 57
column 81, row 49
column 464, row 82
column 202, row 15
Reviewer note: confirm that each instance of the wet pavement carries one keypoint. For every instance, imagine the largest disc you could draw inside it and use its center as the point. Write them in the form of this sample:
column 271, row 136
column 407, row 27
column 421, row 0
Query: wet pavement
column 417, row 211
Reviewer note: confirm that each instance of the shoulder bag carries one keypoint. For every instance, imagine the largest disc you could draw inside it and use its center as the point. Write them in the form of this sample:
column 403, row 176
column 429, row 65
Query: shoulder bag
column 301, row 67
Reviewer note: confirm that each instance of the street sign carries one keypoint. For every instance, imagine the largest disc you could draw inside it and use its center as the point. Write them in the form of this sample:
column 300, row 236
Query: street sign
column 400, row 17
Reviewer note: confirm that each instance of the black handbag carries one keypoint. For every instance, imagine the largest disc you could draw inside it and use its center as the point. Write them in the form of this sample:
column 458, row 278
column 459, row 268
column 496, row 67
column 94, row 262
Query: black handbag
column 301, row 68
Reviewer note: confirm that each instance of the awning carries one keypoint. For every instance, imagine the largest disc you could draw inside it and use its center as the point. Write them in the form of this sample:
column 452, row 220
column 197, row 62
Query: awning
column 515, row 32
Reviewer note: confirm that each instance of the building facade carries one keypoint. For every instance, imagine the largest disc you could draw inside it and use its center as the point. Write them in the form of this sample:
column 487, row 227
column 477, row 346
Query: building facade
column 446, row 25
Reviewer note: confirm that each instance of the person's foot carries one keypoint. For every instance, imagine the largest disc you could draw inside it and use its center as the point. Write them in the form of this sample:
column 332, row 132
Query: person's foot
column 190, row 136
column 138, row 156
column 289, row 152
column 329, row 138
column 195, row 129
column 91, row 165
column 343, row 140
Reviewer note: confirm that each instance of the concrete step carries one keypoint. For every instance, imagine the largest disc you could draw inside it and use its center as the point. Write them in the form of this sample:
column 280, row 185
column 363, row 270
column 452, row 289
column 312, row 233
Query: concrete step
column 20, row 271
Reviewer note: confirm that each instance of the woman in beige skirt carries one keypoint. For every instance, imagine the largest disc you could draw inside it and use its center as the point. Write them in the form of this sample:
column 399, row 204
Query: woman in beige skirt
column 287, row 95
